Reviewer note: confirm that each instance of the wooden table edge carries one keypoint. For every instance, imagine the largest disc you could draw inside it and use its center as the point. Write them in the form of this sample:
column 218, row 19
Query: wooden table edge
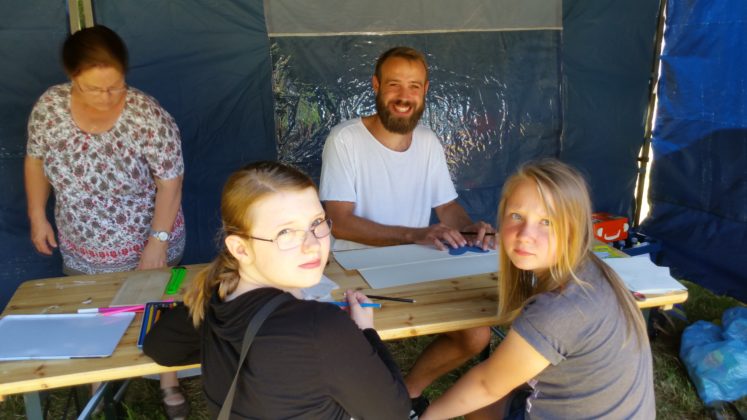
column 115, row 374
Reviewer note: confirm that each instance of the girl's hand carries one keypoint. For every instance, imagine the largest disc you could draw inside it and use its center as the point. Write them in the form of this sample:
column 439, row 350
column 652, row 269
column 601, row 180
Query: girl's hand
column 363, row 317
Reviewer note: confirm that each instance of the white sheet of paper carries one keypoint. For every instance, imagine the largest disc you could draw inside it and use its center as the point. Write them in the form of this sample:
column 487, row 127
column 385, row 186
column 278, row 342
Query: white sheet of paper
column 321, row 290
column 448, row 266
column 388, row 255
column 641, row 275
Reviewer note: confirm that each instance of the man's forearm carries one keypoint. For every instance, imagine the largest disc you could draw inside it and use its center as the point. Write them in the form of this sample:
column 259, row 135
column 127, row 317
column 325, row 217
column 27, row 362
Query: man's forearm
column 364, row 231
column 453, row 215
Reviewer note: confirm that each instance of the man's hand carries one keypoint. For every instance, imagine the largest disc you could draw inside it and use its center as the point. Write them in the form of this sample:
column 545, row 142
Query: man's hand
column 154, row 255
column 481, row 231
column 438, row 235
column 42, row 236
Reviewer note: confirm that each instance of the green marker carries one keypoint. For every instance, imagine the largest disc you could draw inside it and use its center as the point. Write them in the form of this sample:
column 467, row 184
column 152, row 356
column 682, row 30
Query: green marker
column 177, row 277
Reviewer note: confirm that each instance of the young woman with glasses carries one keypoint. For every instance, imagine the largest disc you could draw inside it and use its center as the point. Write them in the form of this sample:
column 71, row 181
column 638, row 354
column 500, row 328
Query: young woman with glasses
column 309, row 359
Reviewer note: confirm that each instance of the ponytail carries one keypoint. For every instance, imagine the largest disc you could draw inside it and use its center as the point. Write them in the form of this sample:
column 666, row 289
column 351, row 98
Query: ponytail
column 222, row 273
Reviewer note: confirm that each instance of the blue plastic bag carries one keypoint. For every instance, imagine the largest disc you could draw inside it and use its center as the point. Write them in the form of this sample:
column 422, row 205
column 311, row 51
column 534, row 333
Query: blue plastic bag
column 716, row 357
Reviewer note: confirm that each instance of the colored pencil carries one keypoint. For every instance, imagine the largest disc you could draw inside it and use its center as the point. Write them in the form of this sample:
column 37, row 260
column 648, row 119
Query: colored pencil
column 363, row 305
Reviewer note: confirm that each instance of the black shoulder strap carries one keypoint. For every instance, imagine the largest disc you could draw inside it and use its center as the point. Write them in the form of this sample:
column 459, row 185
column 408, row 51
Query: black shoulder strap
column 251, row 332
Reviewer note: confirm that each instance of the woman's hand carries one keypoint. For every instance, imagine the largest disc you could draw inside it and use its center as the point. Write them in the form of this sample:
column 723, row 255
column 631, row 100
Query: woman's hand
column 363, row 317
column 42, row 235
column 154, row 255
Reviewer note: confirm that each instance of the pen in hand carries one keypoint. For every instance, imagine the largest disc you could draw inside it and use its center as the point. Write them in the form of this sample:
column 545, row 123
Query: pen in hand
column 363, row 305
column 393, row 299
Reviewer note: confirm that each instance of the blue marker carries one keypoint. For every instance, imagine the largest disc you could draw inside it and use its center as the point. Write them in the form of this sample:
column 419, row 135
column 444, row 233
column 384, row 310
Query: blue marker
column 363, row 305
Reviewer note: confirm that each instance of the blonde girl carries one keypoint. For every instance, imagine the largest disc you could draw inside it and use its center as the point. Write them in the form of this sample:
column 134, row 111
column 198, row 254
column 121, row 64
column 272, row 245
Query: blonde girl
column 309, row 359
column 577, row 347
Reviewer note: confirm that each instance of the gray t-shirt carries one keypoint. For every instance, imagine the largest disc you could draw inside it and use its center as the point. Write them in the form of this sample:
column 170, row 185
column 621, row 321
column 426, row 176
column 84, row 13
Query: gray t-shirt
column 593, row 372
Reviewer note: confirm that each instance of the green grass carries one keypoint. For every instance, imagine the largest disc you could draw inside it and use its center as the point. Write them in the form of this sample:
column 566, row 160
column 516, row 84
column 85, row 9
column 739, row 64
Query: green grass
column 675, row 395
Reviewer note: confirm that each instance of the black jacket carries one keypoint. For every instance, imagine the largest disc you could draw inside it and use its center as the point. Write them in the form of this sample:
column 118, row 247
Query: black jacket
column 309, row 360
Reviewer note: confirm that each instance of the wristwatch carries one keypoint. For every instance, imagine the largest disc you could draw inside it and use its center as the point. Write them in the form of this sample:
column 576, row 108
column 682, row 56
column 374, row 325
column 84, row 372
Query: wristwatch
column 161, row 235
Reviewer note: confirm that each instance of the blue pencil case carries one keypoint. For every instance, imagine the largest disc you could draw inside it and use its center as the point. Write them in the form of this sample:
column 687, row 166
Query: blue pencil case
column 151, row 313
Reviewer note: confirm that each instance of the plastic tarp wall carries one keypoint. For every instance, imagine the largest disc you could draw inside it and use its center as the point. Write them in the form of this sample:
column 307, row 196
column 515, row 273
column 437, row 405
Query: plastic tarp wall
column 494, row 96
column 30, row 36
column 698, row 187
column 608, row 50
column 207, row 63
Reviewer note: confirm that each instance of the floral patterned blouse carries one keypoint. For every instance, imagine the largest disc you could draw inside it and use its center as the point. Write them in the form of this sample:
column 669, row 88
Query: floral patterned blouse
column 104, row 183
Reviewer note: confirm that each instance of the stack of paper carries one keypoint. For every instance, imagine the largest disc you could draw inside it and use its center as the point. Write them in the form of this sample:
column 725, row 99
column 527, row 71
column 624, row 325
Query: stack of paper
column 408, row 264
column 641, row 275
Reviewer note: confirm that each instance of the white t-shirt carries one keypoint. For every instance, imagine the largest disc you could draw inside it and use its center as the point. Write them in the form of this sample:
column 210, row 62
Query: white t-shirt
column 387, row 187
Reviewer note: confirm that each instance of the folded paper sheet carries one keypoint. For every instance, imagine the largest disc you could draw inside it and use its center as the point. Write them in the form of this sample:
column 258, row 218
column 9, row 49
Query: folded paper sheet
column 408, row 264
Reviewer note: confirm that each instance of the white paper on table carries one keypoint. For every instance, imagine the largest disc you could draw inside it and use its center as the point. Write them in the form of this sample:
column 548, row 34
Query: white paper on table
column 387, row 256
column 321, row 290
column 447, row 267
column 641, row 275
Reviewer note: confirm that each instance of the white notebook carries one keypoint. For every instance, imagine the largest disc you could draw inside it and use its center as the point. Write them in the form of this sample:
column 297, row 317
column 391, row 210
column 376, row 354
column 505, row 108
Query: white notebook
column 641, row 275
column 61, row 336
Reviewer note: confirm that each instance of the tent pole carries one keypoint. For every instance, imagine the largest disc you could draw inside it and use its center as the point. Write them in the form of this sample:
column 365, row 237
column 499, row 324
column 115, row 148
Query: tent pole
column 643, row 159
column 80, row 13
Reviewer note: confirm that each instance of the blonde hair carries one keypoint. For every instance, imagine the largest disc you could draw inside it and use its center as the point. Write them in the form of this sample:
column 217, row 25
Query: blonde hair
column 566, row 199
column 243, row 189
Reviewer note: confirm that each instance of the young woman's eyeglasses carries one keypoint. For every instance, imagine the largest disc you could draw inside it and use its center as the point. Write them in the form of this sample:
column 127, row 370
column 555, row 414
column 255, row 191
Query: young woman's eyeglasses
column 293, row 238
column 99, row 91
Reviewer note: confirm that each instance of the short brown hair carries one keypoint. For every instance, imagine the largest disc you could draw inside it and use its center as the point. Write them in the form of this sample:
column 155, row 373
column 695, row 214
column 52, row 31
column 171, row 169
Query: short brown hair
column 407, row 53
column 93, row 47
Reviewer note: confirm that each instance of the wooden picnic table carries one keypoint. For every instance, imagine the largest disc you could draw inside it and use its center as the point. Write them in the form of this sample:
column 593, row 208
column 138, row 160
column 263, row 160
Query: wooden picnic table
column 441, row 306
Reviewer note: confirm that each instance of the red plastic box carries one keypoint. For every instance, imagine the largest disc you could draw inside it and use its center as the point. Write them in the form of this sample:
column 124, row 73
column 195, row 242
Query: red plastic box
column 609, row 227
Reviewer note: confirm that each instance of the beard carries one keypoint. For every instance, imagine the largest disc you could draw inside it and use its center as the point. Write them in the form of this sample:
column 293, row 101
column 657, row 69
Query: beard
column 395, row 124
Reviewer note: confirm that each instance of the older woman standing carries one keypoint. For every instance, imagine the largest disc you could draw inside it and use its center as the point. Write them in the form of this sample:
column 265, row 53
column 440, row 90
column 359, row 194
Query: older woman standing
column 113, row 157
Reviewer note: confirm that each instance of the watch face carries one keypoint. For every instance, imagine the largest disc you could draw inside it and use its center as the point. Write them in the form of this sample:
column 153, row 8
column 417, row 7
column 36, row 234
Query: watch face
column 161, row 236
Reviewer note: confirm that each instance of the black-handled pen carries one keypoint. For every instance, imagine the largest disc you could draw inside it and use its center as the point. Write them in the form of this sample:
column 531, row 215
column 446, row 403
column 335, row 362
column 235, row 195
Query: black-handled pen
column 393, row 299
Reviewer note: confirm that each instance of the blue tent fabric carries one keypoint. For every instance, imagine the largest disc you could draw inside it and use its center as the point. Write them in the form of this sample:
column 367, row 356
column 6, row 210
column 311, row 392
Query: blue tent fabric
column 519, row 95
column 31, row 35
column 208, row 64
column 607, row 57
column 698, row 189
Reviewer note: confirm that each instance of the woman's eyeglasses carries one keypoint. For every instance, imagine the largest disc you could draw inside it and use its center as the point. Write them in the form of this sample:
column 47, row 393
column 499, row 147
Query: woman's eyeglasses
column 99, row 91
column 293, row 238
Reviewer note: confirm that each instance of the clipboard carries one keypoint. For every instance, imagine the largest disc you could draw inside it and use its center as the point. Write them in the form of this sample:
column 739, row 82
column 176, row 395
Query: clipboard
column 61, row 336
column 141, row 287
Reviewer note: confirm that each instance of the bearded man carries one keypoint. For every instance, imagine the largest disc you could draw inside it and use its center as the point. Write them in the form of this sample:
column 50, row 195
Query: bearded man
column 381, row 176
